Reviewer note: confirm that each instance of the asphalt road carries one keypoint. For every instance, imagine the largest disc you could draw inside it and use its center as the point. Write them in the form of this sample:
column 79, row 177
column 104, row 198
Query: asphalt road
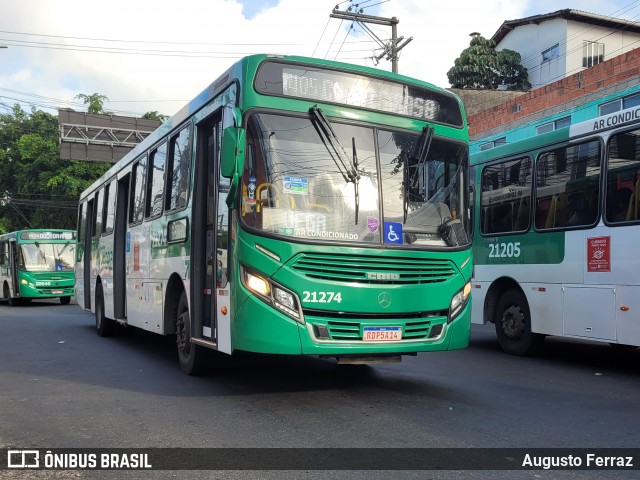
column 62, row 386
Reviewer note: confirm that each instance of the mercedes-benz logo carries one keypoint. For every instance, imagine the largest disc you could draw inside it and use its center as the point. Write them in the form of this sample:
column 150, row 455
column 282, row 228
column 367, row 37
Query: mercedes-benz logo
column 384, row 299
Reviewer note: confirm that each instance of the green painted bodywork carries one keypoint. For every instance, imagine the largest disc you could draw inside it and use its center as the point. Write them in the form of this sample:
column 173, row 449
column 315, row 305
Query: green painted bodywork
column 259, row 327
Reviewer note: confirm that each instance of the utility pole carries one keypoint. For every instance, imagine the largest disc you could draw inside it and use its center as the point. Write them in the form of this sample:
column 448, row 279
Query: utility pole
column 389, row 50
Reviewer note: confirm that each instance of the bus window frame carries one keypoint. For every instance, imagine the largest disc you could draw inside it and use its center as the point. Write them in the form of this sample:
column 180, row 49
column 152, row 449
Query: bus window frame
column 519, row 156
column 97, row 199
column 110, row 189
column 565, row 145
column 132, row 188
column 151, row 155
column 168, row 174
column 605, row 181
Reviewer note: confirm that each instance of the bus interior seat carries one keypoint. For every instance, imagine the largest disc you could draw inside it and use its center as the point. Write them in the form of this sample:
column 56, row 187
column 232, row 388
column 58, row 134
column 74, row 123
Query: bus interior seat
column 522, row 220
column 558, row 211
column 634, row 203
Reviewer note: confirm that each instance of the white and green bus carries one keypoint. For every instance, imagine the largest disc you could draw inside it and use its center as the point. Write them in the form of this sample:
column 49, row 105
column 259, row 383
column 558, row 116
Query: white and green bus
column 296, row 206
column 556, row 226
column 36, row 264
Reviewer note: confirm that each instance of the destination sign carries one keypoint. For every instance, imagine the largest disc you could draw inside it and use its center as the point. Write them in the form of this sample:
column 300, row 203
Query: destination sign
column 332, row 86
column 47, row 235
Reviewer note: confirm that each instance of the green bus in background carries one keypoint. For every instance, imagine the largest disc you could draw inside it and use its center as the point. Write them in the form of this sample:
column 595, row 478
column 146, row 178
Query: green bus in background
column 296, row 206
column 556, row 235
column 37, row 263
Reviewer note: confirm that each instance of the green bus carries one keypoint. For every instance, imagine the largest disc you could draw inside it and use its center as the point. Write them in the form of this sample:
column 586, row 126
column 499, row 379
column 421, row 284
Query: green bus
column 296, row 206
column 37, row 263
column 555, row 250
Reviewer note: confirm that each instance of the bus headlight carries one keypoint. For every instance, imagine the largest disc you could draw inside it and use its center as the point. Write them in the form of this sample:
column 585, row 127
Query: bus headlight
column 257, row 284
column 275, row 295
column 459, row 301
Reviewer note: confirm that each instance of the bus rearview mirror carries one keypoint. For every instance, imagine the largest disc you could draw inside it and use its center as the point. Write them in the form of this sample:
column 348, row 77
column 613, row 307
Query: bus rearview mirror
column 232, row 151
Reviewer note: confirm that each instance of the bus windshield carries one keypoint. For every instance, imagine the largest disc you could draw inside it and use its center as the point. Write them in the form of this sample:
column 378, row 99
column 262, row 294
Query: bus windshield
column 310, row 179
column 47, row 257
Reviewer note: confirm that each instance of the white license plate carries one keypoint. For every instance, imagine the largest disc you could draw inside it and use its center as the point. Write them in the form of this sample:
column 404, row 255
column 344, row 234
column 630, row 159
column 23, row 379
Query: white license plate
column 381, row 334
column 55, row 292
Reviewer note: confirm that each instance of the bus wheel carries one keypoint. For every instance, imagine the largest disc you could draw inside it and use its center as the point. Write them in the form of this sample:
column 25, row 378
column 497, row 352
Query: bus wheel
column 189, row 354
column 104, row 325
column 65, row 300
column 5, row 291
column 513, row 325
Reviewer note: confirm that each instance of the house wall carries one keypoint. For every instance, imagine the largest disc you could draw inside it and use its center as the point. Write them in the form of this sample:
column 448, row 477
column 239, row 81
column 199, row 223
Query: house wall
column 531, row 40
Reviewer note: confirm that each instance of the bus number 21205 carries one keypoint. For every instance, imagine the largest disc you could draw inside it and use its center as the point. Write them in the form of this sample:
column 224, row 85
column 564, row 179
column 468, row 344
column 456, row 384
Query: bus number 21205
column 504, row 250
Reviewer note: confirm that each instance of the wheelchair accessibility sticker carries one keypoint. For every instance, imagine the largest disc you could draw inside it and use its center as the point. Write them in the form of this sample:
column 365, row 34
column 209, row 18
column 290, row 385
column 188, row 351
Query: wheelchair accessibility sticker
column 393, row 232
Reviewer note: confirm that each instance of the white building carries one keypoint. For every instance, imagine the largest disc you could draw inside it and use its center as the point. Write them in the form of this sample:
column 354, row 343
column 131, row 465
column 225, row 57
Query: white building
column 559, row 44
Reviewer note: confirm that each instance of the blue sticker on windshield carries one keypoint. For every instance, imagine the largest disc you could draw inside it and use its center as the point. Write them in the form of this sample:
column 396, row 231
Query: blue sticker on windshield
column 393, row 232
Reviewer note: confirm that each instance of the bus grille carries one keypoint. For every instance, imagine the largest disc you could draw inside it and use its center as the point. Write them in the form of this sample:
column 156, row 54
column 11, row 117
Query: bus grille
column 359, row 268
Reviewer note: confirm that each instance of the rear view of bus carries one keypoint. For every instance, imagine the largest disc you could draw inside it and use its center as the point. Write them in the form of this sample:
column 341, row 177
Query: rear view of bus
column 36, row 264
column 327, row 214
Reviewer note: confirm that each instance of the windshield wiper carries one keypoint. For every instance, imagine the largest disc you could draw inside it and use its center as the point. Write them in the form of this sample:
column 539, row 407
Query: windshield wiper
column 424, row 145
column 356, row 181
column 337, row 152
column 422, row 152
column 334, row 147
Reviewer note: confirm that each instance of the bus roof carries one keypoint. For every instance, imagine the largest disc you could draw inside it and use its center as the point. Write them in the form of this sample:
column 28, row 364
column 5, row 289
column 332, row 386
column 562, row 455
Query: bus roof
column 597, row 124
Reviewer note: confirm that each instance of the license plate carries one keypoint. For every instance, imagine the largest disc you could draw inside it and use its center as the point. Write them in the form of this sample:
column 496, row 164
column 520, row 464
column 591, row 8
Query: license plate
column 381, row 334
column 54, row 292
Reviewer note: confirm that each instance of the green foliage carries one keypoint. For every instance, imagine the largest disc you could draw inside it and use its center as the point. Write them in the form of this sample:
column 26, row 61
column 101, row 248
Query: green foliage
column 154, row 115
column 94, row 102
column 38, row 189
column 481, row 66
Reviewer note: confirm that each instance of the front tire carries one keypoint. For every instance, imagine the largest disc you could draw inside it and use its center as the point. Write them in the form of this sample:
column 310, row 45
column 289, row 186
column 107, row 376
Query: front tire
column 65, row 300
column 104, row 326
column 189, row 354
column 513, row 325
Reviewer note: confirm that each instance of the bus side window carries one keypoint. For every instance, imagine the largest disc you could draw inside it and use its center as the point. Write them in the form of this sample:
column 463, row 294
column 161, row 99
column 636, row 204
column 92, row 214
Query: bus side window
column 136, row 212
column 96, row 226
column 177, row 188
column 155, row 181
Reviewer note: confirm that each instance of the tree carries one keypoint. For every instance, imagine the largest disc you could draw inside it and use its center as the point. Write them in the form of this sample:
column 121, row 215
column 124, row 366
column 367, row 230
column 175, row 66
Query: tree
column 95, row 102
column 481, row 66
column 155, row 116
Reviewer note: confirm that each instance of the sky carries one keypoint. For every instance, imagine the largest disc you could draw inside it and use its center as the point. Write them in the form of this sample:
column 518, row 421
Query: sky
column 156, row 55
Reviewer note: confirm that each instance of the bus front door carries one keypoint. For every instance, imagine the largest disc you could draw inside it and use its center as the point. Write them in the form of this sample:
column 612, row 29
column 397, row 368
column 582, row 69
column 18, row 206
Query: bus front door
column 87, row 255
column 14, row 265
column 210, row 241
column 119, row 250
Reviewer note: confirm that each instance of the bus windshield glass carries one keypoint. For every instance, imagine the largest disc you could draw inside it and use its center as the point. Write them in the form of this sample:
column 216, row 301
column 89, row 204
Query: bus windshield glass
column 47, row 257
column 309, row 178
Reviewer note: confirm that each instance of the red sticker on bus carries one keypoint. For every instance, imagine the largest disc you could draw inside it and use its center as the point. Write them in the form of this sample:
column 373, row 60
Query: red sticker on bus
column 599, row 254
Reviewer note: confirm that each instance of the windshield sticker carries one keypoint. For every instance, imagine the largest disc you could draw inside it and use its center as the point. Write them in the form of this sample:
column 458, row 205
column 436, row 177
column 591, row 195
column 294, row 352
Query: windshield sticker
column 324, row 234
column 296, row 185
column 393, row 232
column 252, row 187
column 373, row 224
